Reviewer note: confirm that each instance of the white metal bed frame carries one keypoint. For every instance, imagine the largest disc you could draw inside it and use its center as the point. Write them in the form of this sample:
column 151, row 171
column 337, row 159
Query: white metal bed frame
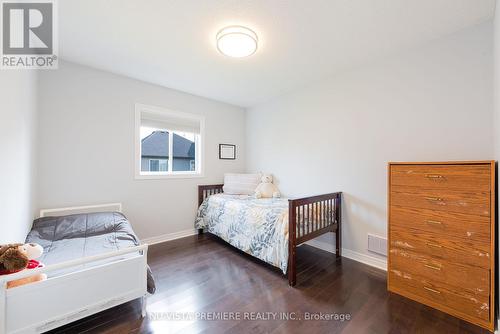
column 91, row 288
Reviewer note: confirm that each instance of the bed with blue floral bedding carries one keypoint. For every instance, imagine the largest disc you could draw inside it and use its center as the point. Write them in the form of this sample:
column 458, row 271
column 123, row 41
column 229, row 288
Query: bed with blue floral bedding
column 258, row 227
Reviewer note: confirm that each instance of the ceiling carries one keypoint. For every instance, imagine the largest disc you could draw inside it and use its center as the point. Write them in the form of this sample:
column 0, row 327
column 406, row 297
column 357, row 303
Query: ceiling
column 172, row 42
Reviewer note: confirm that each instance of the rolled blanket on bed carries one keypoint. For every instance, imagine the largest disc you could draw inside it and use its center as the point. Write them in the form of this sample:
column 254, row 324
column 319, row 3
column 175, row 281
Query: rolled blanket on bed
column 75, row 236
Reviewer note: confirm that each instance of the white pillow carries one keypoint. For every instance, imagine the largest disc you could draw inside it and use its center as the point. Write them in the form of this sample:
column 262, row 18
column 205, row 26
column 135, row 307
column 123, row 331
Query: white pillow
column 241, row 184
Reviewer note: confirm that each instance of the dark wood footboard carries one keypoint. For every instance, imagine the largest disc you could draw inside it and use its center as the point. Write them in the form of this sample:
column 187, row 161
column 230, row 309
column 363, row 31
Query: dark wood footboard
column 308, row 218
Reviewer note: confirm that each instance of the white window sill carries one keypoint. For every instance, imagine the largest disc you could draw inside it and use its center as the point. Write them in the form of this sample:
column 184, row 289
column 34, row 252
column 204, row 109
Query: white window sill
column 153, row 176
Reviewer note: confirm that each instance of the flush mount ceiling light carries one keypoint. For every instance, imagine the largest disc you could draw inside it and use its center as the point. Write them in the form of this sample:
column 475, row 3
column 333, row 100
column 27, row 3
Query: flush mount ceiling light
column 236, row 41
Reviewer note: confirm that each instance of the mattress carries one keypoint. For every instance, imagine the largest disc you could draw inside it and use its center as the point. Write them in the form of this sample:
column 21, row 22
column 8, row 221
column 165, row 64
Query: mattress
column 258, row 227
column 81, row 235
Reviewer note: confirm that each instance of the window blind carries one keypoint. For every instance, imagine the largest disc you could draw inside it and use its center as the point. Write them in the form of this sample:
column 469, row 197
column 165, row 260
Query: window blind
column 166, row 121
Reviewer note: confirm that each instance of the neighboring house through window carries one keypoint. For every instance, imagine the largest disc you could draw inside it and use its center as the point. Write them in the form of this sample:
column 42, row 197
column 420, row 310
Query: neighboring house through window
column 168, row 143
column 157, row 165
column 155, row 153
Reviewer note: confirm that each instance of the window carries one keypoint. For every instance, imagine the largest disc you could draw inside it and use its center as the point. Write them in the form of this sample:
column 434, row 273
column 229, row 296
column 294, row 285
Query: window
column 158, row 165
column 154, row 165
column 168, row 143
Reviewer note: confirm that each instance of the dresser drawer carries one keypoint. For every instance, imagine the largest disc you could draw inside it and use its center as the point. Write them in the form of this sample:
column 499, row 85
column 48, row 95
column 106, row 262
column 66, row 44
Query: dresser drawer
column 440, row 295
column 473, row 279
column 442, row 236
column 441, row 247
column 449, row 224
column 463, row 177
column 467, row 202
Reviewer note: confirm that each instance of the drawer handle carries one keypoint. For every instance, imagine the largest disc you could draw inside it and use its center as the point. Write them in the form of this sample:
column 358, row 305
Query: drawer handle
column 432, row 290
column 433, row 222
column 433, row 267
column 434, row 199
column 430, row 244
column 434, row 176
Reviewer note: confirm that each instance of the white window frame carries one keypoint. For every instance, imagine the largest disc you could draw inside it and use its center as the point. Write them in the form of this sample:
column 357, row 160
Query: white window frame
column 199, row 144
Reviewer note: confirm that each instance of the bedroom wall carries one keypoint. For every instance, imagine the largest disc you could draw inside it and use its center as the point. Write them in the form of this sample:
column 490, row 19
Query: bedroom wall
column 17, row 148
column 496, row 110
column 86, row 144
column 430, row 103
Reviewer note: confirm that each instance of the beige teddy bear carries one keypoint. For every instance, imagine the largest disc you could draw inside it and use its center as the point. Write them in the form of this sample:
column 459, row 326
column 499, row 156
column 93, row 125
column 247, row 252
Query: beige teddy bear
column 266, row 189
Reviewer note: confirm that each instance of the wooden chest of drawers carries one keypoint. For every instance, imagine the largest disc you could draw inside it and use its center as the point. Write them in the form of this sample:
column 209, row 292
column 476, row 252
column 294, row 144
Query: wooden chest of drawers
column 442, row 237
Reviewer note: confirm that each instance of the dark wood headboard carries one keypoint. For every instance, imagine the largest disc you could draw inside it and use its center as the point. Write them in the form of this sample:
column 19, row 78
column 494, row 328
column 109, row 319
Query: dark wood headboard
column 208, row 190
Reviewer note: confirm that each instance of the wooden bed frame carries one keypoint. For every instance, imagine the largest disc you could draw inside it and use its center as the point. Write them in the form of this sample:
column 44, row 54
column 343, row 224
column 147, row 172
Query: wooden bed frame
column 323, row 212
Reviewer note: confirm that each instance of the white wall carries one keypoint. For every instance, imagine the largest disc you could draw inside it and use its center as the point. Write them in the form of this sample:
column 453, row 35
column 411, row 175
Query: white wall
column 496, row 109
column 17, row 148
column 496, row 88
column 86, row 144
column 431, row 103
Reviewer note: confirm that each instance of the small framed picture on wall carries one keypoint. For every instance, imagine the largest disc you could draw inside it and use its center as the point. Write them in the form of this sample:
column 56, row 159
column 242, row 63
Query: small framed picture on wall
column 227, row 152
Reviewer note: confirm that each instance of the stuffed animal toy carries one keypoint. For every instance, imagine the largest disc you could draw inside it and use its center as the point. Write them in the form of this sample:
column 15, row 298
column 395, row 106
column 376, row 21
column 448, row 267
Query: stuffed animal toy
column 266, row 189
column 17, row 257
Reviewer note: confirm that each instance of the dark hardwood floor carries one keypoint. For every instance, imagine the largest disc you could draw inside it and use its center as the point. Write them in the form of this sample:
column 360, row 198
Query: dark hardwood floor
column 203, row 276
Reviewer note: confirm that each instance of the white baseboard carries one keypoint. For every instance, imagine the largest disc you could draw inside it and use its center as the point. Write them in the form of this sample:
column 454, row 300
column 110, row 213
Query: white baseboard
column 169, row 236
column 366, row 259
column 363, row 258
column 326, row 246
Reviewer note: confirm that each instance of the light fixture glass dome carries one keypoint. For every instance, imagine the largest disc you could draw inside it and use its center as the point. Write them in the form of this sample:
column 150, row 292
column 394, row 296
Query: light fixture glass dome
column 237, row 41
